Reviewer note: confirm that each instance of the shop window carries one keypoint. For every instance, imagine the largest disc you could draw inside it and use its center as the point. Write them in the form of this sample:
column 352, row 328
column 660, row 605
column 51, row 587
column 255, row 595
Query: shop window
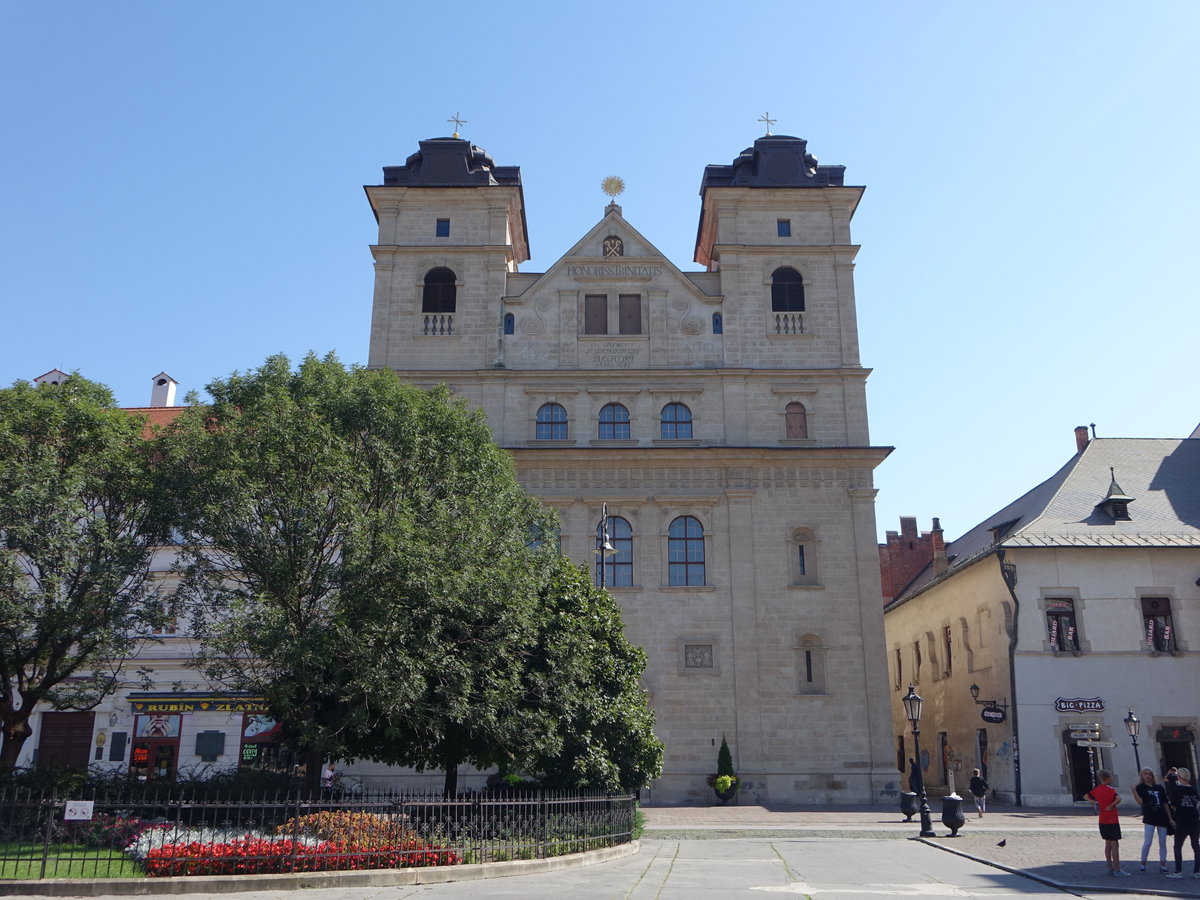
column 551, row 423
column 614, row 423
column 618, row 568
column 685, row 552
column 675, row 422
column 1061, row 629
column 1157, row 627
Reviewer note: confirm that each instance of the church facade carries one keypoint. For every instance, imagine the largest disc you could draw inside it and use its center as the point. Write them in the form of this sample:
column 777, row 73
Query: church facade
column 718, row 415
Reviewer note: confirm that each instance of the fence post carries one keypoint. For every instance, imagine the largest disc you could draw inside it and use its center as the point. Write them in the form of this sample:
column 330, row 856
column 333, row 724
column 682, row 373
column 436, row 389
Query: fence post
column 46, row 835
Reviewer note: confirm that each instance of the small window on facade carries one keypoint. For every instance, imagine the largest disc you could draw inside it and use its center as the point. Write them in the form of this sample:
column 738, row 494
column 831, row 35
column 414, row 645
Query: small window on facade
column 442, row 229
column 802, row 568
column 787, row 290
column 1060, row 623
column 898, row 682
column 1157, row 628
column 916, row 661
column 614, row 246
column 796, row 421
column 440, row 292
column 783, row 227
column 510, row 323
column 595, row 314
column 949, row 667
column 551, row 423
column 614, row 423
column 629, row 311
column 618, row 568
column 718, row 324
column 811, row 664
column 804, row 557
column 685, row 552
column 676, row 422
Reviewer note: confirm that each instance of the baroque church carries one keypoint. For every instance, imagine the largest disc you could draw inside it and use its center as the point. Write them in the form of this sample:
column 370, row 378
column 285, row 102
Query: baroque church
column 718, row 416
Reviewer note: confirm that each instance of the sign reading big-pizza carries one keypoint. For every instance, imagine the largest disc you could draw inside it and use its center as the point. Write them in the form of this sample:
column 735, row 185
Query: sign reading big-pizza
column 1078, row 704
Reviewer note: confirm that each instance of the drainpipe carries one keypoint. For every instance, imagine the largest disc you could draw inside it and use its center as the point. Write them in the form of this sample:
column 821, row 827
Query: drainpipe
column 1008, row 573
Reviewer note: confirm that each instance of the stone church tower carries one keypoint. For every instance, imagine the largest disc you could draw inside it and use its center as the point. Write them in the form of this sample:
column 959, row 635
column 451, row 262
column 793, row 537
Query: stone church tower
column 721, row 416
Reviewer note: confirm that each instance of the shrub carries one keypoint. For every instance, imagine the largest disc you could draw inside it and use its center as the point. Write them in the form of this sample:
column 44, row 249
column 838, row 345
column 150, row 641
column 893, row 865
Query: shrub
column 256, row 855
column 104, row 830
column 357, row 830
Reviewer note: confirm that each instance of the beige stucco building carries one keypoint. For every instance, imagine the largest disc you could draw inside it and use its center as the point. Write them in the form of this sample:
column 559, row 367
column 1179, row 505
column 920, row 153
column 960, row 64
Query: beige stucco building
column 1072, row 606
column 720, row 414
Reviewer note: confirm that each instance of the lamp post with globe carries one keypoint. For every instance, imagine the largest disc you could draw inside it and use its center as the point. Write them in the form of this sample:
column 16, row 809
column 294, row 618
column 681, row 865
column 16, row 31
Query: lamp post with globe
column 912, row 711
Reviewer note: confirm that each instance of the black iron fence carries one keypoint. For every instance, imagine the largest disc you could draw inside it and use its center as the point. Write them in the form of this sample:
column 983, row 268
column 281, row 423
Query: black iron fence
column 152, row 833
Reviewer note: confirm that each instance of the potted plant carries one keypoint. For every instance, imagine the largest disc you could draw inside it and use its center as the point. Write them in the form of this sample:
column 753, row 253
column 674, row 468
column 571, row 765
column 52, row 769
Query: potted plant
column 724, row 782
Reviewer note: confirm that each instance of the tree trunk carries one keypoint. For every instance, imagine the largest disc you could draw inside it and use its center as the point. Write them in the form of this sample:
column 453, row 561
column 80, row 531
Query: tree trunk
column 314, row 761
column 12, row 739
column 450, row 790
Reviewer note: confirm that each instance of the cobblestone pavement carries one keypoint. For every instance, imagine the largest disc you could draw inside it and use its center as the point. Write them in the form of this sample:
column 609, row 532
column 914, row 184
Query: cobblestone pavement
column 1061, row 847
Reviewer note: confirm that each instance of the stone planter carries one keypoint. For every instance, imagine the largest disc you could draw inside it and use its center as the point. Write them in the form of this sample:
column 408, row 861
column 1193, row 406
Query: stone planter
column 910, row 803
column 726, row 795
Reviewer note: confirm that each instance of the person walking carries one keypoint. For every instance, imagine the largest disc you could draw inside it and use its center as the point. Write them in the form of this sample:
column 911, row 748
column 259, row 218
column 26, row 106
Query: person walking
column 914, row 776
column 1185, row 811
column 979, row 788
column 1156, row 817
column 1106, row 800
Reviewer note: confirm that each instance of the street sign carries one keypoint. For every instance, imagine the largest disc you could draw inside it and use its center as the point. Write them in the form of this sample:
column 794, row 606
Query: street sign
column 1082, row 735
column 1107, row 745
column 992, row 714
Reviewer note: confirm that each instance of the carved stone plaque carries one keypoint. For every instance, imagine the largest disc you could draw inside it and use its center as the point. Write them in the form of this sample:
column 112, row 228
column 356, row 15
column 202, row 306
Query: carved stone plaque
column 698, row 656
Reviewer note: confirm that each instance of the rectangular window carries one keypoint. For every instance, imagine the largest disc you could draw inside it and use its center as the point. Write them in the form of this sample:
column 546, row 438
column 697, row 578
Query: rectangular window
column 916, row 661
column 1157, row 628
column 783, row 227
column 1060, row 623
column 630, row 313
column 946, row 646
column 443, row 228
column 808, row 667
column 899, row 682
column 800, row 561
column 595, row 314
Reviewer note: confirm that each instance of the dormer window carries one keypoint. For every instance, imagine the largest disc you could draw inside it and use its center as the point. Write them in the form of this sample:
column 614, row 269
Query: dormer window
column 613, row 247
column 1116, row 501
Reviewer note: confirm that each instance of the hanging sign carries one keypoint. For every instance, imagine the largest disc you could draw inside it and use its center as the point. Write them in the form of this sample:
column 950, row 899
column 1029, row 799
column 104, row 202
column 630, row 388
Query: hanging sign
column 993, row 714
column 1085, row 734
column 1078, row 704
column 1106, row 745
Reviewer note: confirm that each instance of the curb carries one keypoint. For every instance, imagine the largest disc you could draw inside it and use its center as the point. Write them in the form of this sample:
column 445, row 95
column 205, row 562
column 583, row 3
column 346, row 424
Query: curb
column 227, row 884
column 1061, row 885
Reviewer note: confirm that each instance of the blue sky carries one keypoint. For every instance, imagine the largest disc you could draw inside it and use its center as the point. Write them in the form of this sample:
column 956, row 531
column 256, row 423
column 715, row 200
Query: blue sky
column 181, row 188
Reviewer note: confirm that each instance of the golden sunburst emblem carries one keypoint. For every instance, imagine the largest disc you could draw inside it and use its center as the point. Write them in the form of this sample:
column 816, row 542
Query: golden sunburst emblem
column 612, row 185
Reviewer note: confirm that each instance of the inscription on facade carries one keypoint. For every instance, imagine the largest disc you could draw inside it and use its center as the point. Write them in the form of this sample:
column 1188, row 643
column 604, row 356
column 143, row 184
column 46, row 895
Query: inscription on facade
column 613, row 355
column 614, row 271
column 698, row 656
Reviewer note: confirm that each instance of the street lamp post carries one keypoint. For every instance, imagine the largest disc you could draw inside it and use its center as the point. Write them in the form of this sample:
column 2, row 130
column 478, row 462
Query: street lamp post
column 912, row 711
column 604, row 548
column 1134, row 726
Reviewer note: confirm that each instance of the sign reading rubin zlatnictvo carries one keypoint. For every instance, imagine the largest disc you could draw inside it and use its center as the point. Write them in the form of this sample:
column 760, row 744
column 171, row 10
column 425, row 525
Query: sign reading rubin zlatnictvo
column 1078, row 704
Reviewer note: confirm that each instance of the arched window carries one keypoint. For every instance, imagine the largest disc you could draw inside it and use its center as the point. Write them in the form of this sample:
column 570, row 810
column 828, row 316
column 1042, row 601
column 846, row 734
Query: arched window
column 618, row 568
column 796, row 419
column 614, row 423
column 787, row 290
column 676, row 422
column 551, row 423
column 510, row 323
column 685, row 552
column 804, row 557
column 810, row 661
column 718, row 324
column 440, row 291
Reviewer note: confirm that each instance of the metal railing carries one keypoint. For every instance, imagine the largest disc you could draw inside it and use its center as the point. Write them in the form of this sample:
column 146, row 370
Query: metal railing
column 153, row 833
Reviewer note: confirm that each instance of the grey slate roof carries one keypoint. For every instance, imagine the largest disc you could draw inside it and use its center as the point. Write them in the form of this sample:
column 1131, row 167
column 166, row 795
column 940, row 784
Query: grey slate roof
column 1162, row 475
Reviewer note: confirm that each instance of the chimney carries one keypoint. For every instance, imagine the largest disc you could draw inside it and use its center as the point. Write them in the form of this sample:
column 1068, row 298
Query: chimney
column 940, row 563
column 163, row 392
column 1081, row 438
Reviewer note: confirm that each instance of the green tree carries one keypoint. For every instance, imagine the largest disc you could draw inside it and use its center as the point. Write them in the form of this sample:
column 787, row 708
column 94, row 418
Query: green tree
column 355, row 551
column 585, row 677
column 79, row 525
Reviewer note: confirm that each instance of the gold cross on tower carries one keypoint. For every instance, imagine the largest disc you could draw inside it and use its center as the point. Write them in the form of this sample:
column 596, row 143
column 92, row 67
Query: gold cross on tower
column 458, row 123
column 766, row 117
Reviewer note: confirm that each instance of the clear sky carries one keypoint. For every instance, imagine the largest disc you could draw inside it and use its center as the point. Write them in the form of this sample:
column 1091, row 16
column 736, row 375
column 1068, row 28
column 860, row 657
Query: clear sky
column 181, row 188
